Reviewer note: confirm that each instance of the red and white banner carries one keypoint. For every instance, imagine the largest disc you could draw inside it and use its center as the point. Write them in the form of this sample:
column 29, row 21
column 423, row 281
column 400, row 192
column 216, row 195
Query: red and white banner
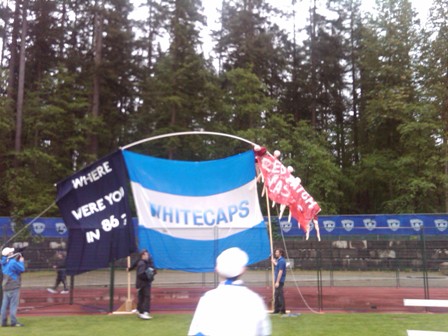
column 285, row 189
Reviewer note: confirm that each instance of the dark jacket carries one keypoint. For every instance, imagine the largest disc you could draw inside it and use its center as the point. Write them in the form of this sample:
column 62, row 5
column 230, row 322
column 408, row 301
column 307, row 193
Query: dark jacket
column 59, row 265
column 141, row 278
column 134, row 265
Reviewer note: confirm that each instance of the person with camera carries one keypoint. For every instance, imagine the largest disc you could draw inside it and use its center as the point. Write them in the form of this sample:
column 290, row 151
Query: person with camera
column 144, row 278
column 13, row 265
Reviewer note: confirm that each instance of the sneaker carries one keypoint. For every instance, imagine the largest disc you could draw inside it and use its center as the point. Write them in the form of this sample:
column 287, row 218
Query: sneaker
column 145, row 316
column 17, row 325
column 134, row 311
column 51, row 290
column 65, row 292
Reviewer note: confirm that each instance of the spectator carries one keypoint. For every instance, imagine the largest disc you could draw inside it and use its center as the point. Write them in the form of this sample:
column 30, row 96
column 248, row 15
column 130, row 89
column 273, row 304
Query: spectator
column 13, row 265
column 279, row 280
column 143, row 285
column 231, row 308
column 61, row 275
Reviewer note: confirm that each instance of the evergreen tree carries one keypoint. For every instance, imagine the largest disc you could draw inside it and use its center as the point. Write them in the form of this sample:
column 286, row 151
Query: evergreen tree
column 249, row 39
column 246, row 100
column 358, row 108
column 387, row 97
column 181, row 93
column 117, row 76
column 434, row 88
column 295, row 98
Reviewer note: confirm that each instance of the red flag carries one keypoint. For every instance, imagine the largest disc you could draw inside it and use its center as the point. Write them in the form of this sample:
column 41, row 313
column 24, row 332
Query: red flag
column 283, row 188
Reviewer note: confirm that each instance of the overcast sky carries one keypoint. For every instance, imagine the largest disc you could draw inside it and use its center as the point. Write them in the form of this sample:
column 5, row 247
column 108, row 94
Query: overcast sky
column 302, row 8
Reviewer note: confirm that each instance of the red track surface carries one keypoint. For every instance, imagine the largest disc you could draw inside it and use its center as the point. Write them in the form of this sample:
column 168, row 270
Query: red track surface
column 175, row 300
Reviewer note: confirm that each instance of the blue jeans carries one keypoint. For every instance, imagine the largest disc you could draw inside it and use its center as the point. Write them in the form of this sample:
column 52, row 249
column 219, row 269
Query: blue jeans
column 10, row 299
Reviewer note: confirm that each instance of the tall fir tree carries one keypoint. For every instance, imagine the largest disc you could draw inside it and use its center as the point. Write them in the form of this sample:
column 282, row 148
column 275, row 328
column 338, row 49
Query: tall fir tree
column 387, row 96
column 434, row 88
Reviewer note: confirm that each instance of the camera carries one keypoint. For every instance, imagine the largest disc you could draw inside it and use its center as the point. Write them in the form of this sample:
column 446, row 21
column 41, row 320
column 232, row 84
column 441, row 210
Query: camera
column 19, row 249
column 17, row 253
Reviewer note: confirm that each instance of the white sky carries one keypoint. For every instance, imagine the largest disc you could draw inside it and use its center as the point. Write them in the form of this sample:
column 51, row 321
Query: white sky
column 211, row 12
column 302, row 9
column 302, row 13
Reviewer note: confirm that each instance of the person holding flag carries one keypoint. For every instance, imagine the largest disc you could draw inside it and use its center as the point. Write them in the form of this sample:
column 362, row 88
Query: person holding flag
column 143, row 284
column 279, row 280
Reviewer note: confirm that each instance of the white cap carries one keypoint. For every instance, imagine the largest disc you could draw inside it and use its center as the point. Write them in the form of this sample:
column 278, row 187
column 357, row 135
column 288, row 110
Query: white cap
column 7, row 250
column 231, row 262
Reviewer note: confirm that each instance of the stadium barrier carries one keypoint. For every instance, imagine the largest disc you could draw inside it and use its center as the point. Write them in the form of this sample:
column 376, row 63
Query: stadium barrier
column 346, row 272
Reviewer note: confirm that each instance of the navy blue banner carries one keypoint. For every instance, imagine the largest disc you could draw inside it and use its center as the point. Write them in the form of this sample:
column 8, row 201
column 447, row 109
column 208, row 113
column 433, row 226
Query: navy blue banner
column 94, row 205
column 407, row 224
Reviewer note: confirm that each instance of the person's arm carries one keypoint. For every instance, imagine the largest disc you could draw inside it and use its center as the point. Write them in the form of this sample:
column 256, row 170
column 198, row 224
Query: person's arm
column 275, row 262
column 19, row 266
column 199, row 322
column 134, row 265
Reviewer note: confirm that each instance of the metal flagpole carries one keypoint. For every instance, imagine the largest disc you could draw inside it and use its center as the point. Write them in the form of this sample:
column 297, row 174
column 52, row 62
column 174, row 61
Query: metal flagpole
column 129, row 300
column 187, row 133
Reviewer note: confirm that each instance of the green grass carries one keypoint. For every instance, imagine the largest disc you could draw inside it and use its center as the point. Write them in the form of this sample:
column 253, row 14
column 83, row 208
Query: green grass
column 177, row 324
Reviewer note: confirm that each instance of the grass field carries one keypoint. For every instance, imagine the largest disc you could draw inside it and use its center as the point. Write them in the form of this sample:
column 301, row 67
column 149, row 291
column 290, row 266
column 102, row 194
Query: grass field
column 177, row 324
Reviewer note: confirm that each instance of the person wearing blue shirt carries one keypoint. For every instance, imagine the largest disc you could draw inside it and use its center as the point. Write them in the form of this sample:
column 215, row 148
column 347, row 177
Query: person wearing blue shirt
column 279, row 281
column 13, row 265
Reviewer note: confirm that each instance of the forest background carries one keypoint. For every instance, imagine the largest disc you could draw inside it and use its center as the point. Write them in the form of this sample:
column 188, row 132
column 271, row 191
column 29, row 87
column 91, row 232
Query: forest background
column 357, row 102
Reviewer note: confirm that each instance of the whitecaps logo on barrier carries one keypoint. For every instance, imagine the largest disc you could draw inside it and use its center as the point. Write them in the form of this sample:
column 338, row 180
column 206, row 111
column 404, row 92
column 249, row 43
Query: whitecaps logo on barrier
column 311, row 225
column 348, row 224
column 370, row 224
column 416, row 224
column 394, row 224
column 286, row 226
column 441, row 224
column 38, row 228
column 61, row 228
column 329, row 225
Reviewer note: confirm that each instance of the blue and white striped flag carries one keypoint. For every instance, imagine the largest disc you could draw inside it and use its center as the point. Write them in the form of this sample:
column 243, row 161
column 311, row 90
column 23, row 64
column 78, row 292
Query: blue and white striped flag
column 189, row 212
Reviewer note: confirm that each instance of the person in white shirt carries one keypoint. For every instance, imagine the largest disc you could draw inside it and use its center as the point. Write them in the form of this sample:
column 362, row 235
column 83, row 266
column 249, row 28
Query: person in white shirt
column 231, row 308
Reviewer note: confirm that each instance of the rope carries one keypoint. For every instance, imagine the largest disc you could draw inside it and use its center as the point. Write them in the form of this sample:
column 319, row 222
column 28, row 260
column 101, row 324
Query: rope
column 294, row 277
column 26, row 226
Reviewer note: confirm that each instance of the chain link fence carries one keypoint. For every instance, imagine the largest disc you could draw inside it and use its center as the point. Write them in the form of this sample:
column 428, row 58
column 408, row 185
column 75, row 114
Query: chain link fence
column 419, row 262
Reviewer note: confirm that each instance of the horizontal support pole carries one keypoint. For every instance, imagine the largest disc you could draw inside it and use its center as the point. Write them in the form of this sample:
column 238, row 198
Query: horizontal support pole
column 425, row 303
column 426, row 333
